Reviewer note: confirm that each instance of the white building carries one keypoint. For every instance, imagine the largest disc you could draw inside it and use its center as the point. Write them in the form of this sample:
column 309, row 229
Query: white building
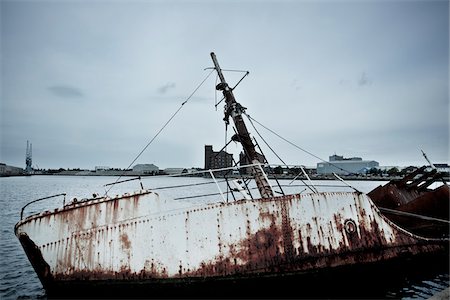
column 147, row 169
column 340, row 165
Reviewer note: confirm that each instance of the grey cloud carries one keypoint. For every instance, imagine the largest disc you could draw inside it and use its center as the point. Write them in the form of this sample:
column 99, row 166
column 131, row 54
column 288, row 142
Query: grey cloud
column 296, row 84
column 165, row 88
column 364, row 80
column 66, row 91
column 344, row 82
column 180, row 98
column 353, row 48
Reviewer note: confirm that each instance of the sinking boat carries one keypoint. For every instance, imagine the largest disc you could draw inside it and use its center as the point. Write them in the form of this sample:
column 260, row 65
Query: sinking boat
column 411, row 203
column 143, row 241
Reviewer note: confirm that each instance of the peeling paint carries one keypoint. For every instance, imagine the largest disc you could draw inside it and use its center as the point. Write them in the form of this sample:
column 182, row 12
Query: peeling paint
column 143, row 237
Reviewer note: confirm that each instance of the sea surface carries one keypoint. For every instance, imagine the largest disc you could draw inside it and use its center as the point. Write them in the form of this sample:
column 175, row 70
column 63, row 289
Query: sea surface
column 19, row 281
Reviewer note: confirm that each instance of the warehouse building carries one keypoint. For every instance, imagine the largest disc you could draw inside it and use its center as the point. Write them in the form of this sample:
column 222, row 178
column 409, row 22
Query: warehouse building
column 217, row 160
column 6, row 170
column 146, row 169
column 340, row 165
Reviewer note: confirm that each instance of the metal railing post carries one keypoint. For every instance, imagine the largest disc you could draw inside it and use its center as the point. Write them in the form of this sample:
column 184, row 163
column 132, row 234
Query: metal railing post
column 214, row 178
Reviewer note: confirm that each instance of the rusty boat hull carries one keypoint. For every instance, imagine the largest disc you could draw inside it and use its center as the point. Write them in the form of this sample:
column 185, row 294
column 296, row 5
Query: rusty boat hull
column 142, row 242
column 411, row 203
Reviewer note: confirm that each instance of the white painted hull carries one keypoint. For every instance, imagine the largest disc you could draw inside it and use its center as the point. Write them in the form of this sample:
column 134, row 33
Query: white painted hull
column 144, row 237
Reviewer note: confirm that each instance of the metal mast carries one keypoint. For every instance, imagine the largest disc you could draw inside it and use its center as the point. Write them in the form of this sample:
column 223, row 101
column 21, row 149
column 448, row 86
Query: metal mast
column 235, row 110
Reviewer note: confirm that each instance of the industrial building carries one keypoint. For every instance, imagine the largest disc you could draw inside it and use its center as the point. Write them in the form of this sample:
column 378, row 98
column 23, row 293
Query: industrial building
column 6, row 170
column 340, row 165
column 217, row 160
column 146, row 169
column 243, row 160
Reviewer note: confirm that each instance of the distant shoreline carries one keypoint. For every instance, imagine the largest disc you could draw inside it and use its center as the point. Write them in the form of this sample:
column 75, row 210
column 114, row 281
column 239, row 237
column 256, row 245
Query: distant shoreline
column 270, row 176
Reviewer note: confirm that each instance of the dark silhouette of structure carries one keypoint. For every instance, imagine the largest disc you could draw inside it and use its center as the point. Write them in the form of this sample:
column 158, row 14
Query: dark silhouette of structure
column 28, row 158
column 217, row 160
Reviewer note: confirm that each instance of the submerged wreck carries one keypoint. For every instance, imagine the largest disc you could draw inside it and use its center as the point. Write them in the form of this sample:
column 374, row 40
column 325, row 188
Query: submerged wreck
column 145, row 242
column 411, row 203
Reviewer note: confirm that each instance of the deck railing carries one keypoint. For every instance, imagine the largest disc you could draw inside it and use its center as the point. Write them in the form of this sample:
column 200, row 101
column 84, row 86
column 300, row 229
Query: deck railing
column 238, row 184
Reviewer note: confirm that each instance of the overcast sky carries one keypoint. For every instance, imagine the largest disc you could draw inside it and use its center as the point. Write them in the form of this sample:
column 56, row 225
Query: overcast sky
column 89, row 83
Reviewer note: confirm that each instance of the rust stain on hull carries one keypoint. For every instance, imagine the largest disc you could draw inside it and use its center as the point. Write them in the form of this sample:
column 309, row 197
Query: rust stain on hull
column 412, row 196
column 145, row 238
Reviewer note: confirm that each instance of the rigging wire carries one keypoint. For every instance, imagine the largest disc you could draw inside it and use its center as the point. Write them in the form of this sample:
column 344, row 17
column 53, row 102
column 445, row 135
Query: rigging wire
column 161, row 129
column 271, row 149
column 265, row 142
column 296, row 146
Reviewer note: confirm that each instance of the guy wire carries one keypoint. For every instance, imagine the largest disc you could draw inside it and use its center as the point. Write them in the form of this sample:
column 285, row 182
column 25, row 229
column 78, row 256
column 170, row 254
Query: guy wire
column 161, row 129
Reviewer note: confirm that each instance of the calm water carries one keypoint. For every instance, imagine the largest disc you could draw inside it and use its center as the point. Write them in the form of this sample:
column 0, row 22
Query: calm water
column 18, row 279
